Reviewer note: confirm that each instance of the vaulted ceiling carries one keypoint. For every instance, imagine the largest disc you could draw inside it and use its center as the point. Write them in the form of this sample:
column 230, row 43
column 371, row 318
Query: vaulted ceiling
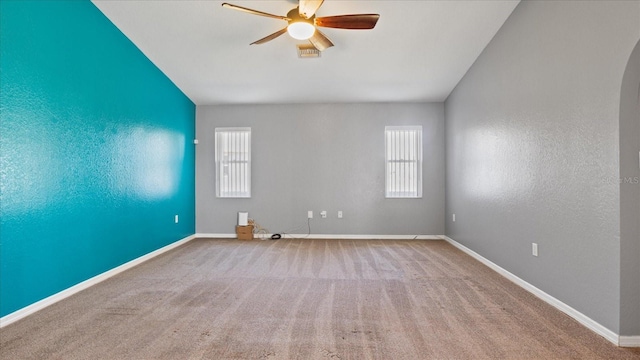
column 419, row 50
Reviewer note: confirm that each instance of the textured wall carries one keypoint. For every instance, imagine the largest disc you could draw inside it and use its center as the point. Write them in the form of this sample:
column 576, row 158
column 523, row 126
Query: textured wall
column 630, row 197
column 322, row 157
column 532, row 150
column 97, row 153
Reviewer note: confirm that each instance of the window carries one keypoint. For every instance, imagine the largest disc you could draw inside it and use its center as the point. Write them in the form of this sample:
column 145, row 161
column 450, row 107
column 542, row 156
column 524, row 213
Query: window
column 403, row 157
column 233, row 162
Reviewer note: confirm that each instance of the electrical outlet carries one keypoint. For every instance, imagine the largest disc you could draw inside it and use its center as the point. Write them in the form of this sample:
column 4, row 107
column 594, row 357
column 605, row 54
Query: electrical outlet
column 323, row 214
column 175, row 219
column 454, row 217
column 339, row 214
column 534, row 249
column 310, row 214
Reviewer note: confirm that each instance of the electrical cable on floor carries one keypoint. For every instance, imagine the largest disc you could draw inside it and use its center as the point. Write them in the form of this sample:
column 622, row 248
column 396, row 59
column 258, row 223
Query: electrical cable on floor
column 263, row 234
column 299, row 238
column 260, row 232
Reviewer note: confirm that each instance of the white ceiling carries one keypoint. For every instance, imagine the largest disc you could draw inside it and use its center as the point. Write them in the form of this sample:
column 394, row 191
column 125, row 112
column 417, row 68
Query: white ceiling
column 419, row 50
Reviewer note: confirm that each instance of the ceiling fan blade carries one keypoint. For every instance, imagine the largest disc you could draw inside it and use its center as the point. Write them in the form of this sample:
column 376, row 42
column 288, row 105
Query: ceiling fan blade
column 308, row 8
column 320, row 41
column 359, row 21
column 254, row 12
column 270, row 37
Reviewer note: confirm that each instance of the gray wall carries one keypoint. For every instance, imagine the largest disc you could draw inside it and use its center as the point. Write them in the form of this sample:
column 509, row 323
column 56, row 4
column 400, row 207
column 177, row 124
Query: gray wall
column 322, row 157
column 630, row 197
column 532, row 150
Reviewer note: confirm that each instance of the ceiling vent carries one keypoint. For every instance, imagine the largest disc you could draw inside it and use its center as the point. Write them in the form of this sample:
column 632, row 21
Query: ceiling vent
column 308, row 51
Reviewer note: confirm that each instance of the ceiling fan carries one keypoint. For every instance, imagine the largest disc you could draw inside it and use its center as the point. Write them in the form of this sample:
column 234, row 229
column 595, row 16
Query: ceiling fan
column 303, row 23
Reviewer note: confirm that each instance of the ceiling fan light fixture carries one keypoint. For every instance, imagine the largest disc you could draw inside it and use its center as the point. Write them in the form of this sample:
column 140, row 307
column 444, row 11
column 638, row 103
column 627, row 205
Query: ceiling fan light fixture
column 301, row 30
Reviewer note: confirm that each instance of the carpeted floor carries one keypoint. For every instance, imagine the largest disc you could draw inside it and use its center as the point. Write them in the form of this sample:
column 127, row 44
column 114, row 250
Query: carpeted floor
column 305, row 299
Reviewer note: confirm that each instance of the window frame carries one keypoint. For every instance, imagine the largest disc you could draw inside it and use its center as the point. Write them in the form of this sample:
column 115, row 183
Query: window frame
column 221, row 163
column 408, row 154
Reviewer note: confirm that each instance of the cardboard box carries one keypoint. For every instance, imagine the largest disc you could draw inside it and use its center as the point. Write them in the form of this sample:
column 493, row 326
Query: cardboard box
column 244, row 232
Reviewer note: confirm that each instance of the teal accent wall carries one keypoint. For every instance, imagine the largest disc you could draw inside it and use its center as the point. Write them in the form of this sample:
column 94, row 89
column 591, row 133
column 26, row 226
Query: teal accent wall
column 96, row 148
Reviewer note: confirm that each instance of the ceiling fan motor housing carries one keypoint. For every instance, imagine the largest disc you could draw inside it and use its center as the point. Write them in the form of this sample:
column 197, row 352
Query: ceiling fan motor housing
column 294, row 16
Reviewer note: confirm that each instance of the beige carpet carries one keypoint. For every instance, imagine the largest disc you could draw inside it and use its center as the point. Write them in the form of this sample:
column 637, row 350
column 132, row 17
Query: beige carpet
column 305, row 299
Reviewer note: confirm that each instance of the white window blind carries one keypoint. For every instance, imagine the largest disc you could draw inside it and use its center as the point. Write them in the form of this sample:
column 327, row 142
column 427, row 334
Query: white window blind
column 233, row 162
column 403, row 155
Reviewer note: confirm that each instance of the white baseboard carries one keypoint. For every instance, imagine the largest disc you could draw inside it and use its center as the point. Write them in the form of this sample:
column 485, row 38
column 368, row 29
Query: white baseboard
column 578, row 316
column 330, row 236
column 28, row 310
column 215, row 236
column 629, row 341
